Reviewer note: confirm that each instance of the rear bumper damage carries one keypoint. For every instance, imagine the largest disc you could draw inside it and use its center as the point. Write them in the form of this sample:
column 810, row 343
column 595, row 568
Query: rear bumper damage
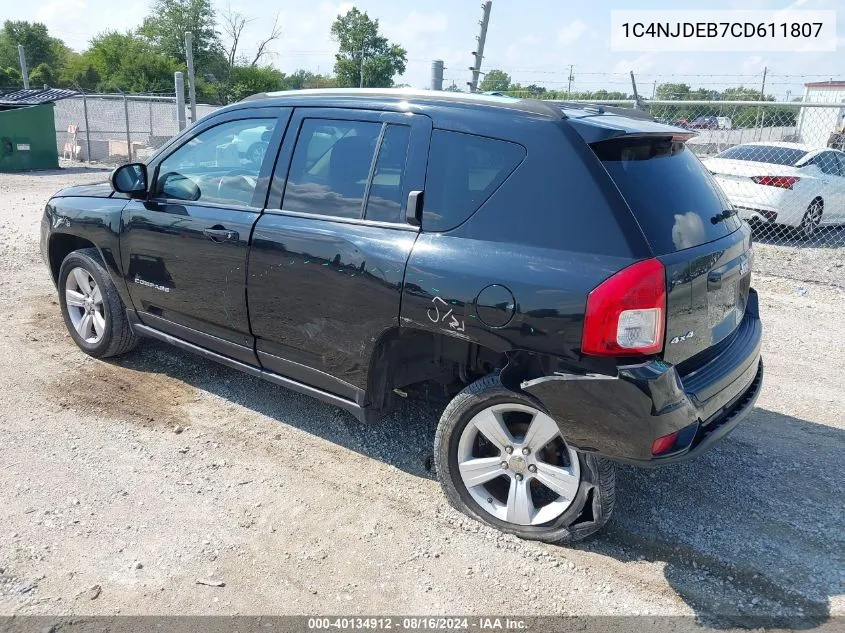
column 621, row 416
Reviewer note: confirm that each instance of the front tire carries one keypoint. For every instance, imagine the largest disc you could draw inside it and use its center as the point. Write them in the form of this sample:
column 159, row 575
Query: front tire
column 255, row 153
column 91, row 306
column 500, row 459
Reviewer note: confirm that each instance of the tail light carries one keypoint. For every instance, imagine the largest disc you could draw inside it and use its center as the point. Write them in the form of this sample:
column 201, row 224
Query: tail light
column 784, row 182
column 626, row 314
column 664, row 444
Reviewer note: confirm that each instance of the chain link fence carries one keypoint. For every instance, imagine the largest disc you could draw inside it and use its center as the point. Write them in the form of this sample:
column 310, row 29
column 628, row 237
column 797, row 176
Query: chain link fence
column 782, row 168
column 781, row 165
column 114, row 128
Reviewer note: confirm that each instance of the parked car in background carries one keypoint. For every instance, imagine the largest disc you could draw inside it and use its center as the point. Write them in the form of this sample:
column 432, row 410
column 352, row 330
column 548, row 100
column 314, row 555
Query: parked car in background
column 704, row 123
column 790, row 184
column 724, row 123
column 252, row 143
column 393, row 239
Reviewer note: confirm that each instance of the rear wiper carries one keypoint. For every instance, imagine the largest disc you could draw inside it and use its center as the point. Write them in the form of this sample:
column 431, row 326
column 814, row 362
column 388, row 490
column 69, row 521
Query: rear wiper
column 724, row 215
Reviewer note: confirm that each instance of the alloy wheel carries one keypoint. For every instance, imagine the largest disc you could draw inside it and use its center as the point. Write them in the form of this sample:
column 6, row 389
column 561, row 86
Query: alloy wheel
column 85, row 307
column 812, row 220
column 516, row 466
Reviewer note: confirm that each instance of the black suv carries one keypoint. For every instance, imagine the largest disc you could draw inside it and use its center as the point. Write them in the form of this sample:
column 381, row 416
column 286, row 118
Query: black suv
column 573, row 278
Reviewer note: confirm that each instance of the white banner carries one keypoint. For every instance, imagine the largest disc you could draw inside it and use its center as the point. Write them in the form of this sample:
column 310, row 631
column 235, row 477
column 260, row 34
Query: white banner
column 719, row 31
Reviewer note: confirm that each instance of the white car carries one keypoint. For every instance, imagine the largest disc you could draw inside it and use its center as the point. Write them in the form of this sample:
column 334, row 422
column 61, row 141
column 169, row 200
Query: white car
column 783, row 183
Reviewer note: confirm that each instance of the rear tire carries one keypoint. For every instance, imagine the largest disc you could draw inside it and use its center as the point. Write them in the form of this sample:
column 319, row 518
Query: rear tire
column 514, row 499
column 812, row 220
column 92, row 308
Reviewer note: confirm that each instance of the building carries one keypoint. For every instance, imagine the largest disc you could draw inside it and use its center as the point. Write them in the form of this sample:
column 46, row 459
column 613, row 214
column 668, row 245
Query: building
column 817, row 125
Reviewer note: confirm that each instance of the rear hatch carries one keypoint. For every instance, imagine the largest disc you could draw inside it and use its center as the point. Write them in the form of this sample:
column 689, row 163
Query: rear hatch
column 688, row 222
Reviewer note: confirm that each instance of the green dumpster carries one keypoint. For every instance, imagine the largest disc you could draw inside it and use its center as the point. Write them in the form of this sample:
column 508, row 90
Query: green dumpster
column 28, row 129
column 28, row 138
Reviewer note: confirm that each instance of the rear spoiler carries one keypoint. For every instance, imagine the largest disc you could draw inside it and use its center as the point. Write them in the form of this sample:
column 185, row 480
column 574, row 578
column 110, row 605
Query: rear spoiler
column 596, row 123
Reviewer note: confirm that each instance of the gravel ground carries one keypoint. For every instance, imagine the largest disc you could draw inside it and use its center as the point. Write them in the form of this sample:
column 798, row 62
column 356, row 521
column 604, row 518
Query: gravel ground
column 124, row 483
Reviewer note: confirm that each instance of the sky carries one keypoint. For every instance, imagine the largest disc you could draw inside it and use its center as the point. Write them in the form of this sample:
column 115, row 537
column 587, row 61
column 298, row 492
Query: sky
column 535, row 41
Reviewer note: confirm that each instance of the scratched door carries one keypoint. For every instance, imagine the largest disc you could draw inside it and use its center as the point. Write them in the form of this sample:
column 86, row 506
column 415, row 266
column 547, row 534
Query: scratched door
column 326, row 266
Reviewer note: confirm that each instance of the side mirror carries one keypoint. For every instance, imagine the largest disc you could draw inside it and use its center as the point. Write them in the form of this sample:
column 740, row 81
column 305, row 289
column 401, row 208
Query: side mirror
column 175, row 186
column 130, row 179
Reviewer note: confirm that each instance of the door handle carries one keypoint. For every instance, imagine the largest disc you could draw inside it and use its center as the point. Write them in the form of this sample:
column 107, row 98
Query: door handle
column 219, row 235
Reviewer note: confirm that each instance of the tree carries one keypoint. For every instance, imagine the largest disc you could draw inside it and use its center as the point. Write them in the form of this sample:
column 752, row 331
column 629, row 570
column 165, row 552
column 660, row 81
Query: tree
column 167, row 24
column 79, row 71
column 10, row 77
column 452, row 88
column 249, row 80
column 495, row 81
column 127, row 62
column 233, row 25
column 361, row 46
column 40, row 47
column 672, row 91
column 42, row 75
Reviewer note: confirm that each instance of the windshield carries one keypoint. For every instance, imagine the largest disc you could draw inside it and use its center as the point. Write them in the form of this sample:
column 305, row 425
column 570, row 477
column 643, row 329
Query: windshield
column 764, row 154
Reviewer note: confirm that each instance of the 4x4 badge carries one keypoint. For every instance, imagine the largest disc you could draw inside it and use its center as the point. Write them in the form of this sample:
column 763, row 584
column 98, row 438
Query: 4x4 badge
column 682, row 337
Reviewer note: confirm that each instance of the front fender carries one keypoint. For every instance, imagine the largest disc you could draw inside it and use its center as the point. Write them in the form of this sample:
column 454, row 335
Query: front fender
column 70, row 221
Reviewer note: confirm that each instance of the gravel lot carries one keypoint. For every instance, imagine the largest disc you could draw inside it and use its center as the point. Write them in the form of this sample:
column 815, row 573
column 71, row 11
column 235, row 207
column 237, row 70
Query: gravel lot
column 298, row 508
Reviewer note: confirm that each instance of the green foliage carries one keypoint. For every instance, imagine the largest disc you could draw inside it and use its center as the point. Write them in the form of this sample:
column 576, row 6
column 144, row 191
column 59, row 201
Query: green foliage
column 79, row 71
column 42, row 75
column 167, row 24
column 495, row 81
column 357, row 35
column 40, row 47
column 127, row 62
column 10, row 77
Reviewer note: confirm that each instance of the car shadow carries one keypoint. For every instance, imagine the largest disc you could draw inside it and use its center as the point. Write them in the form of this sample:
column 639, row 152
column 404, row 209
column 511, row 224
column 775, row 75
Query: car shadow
column 749, row 534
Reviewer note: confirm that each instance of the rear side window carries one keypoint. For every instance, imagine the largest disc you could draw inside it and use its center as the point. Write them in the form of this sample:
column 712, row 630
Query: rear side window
column 463, row 171
column 771, row 154
column 673, row 197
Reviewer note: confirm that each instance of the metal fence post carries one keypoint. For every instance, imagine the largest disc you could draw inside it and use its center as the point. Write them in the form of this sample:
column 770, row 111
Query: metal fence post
column 128, row 137
column 180, row 99
column 151, row 116
column 24, row 71
column 87, row 128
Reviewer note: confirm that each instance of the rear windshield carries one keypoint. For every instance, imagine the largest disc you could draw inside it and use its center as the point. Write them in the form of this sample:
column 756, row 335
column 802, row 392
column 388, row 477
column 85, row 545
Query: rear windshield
column 764, row 154
column 674, row 198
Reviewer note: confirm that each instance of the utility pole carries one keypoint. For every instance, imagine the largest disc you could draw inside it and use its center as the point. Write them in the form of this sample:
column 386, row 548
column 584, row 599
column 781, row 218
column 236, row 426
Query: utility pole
column 479, row 51
column 437, row 74
column 24, row 71
column 192, row 88
column 569, row 85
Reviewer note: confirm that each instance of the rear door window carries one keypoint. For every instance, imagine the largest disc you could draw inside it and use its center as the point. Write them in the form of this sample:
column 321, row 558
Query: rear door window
column 330, row 167
column 673, row 197
column 463, row 172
